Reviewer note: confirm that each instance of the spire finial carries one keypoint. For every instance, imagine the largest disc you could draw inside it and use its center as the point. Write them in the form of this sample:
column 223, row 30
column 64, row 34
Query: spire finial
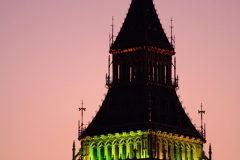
column 201, row 112
column 210, row 152
column 112, row 36
column 82, row 109
column 172, row 38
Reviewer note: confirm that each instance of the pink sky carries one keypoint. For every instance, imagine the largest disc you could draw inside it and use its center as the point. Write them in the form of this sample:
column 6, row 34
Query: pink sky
column 54, row 55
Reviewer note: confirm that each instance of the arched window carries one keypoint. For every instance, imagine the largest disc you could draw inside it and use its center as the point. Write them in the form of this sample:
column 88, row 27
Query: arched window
column 101, row 153
column 130, row 72
column 119, row 74
column 162, row 72
column 157, row 151
column 175, row 151
column 131, row 155
column 123, row 151
column 138, row 151
column 135, row 72
column 155, row 72
column 94, row 153
column 186, row 152
column 169, row 150
column 116, row 157
column 191, row 154
column 181, row 152
column 109, row 152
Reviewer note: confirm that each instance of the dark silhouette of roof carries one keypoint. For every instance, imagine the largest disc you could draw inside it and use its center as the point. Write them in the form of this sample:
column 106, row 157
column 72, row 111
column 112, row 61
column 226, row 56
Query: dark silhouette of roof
column 141, row 107
column 127, row 109
column 141, row 27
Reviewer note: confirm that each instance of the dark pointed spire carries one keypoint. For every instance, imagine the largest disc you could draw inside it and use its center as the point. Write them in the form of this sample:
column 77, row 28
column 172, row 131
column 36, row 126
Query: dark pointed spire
column 142, row 27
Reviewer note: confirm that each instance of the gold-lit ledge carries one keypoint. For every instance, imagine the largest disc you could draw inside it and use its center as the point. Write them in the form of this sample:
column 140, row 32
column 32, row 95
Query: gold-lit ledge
column 148, row 48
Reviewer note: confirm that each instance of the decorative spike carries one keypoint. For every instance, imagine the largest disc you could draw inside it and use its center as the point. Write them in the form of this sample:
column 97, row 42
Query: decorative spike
column 73, row 151
column 74, row 144
column 210, row 151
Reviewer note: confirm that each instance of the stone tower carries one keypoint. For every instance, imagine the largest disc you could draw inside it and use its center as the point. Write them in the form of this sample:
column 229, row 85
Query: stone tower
column 141, row 116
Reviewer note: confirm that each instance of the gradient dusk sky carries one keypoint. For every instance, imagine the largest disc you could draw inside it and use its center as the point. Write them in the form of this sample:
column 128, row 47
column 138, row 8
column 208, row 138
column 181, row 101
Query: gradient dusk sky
column 54, row 55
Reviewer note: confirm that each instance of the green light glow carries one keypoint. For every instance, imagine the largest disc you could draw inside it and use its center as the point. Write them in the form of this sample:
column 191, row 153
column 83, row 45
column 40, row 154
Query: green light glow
column 112, row 146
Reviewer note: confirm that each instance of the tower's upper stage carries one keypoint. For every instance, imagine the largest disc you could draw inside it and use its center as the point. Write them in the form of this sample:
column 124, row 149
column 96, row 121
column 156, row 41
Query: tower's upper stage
column 132, row 102
column 141, row 27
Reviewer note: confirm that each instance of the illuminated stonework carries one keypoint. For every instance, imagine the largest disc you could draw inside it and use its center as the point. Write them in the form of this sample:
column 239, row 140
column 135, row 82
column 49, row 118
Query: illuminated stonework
column 146, row 143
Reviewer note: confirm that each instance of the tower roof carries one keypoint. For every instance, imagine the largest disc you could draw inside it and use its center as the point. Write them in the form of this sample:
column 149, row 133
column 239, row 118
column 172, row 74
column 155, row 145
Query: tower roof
column 141, row 107
column 141, row 27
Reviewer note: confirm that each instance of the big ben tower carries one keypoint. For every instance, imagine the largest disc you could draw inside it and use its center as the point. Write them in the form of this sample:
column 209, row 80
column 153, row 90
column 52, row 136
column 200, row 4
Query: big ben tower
column 141, row 116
